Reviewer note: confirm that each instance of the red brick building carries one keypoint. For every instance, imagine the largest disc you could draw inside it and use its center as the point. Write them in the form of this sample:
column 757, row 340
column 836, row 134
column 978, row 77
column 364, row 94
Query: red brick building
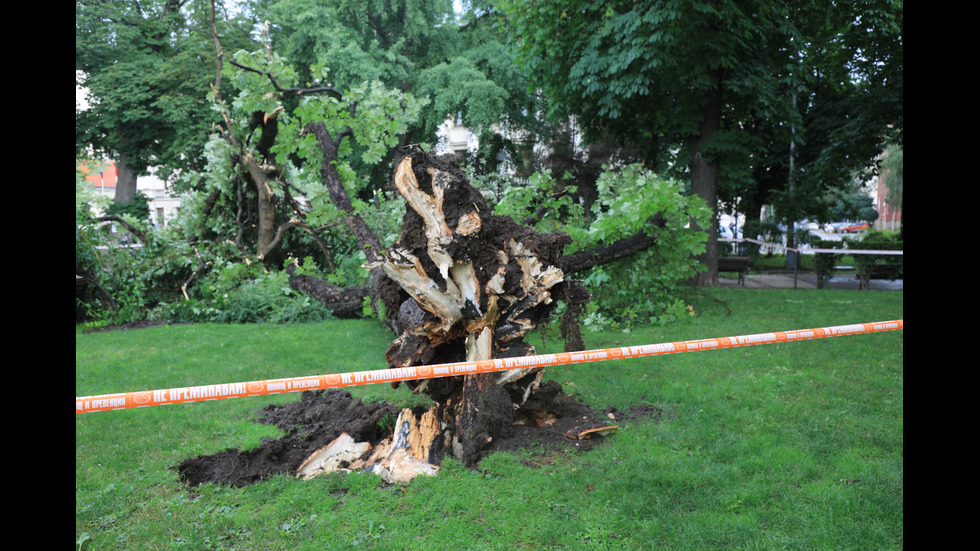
column 889, row 215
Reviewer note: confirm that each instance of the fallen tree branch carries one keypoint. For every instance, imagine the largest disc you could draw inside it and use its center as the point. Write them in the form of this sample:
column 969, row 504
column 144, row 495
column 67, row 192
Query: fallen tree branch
column 131, row 228
column 91, row 280
column 623, row 248
column 365, row 237
column 193, row 276
column 343, row 302
column 578, row 262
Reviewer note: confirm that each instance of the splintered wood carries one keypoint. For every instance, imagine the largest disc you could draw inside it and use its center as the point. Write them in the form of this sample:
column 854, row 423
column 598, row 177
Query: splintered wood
column 582, row 434
column 459, row 295
column 465, row 284
column 399, row 458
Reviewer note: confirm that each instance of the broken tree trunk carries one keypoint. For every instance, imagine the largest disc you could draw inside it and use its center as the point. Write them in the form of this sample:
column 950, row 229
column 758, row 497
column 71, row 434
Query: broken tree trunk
column 464, row 284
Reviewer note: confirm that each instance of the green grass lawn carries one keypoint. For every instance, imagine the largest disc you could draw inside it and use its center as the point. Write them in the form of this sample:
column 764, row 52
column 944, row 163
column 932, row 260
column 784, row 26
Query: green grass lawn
column 785, row 446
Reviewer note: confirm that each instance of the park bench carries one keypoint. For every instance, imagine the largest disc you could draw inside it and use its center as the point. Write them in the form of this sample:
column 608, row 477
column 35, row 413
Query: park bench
column 738, row 264
column 879, row 271
column 883, row 271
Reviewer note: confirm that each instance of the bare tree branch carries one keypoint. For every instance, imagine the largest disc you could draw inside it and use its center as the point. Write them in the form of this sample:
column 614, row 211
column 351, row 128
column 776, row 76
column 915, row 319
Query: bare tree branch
column 132, row 229
column 193, row 276
column 91, row 280
column 275, row 84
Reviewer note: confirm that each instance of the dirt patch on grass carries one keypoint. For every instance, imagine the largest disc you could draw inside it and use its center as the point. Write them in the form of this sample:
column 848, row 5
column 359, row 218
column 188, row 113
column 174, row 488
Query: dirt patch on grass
column 142, row 324
column 319, row 417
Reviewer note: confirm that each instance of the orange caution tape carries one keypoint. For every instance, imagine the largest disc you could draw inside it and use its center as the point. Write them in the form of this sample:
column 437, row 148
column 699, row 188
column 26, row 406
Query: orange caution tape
column 146, row 398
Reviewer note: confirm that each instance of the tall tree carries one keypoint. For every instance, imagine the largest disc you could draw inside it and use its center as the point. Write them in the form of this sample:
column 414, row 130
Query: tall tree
column 715, row 82
column 662, row 73
column 283, row 148
column 146, row 67
column 846, row 76
column 356, row 41
column 283, row 125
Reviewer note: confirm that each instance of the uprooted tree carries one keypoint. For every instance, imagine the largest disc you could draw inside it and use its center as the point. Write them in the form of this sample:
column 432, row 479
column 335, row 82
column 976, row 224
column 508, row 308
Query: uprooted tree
column 465, row 284
column 461, row 282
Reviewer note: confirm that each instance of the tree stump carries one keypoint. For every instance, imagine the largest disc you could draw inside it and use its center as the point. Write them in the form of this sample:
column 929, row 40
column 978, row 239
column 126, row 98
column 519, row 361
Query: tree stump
column 464, row 284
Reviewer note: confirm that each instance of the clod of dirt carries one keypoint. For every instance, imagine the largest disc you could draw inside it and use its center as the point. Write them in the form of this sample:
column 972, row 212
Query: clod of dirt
column 314, row 421
column 320, row 417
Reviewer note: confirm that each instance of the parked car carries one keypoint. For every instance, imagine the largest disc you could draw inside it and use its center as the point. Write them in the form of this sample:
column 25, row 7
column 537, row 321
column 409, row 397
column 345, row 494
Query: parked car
column 835, row 227
column 855, row 227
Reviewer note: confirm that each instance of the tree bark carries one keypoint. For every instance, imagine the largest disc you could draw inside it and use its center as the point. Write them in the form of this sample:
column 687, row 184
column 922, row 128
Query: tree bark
column 266, row 204
column 704, row 176
column 366, row 238
column 346, row 302
column 125, row 180
column 625, row 247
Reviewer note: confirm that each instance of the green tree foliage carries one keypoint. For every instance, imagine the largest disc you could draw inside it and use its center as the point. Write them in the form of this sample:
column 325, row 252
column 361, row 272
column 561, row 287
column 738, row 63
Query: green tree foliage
column 646, row 286
column 674, row 76
column 459, row 61
column 146, row 67
column 125, row 278
column 893, row 165
column 268, row 162
column 138, row 208
column 265, row 157
column 846, row 75
column 358, row 41
column 725, row 90
column 853, row 205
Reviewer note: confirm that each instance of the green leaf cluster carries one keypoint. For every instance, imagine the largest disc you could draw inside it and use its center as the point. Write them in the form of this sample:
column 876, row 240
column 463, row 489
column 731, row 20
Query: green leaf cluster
column 139, row 274
column 647, row 286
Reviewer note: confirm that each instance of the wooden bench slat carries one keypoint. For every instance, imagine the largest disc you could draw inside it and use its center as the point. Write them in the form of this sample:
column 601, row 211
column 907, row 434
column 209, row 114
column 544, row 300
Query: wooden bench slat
column 738, row 264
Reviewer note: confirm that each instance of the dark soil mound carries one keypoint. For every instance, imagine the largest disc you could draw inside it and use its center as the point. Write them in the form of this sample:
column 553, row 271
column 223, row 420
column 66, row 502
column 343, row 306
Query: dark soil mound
column 311, row 423
column 321, row 416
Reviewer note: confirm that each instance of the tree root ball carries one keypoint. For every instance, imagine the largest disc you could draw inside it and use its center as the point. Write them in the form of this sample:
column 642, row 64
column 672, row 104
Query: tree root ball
column 321, row 416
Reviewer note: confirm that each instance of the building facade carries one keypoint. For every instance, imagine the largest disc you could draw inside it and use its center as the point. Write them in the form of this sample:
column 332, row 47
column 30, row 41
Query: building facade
column 163, row 206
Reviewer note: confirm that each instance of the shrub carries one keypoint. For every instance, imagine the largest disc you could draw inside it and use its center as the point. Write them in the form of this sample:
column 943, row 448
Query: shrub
column 824, row 262
column 885, row 266
column 242, row 293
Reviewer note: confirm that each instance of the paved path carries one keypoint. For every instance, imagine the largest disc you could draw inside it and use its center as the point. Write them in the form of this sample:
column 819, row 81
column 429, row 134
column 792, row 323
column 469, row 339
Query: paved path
column 809, row 281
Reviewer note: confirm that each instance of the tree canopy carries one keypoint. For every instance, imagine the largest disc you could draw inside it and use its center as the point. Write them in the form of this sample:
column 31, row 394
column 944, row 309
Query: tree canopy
column 282, row 121
column 457, row 60
column 725, row 92
column 146, row 67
